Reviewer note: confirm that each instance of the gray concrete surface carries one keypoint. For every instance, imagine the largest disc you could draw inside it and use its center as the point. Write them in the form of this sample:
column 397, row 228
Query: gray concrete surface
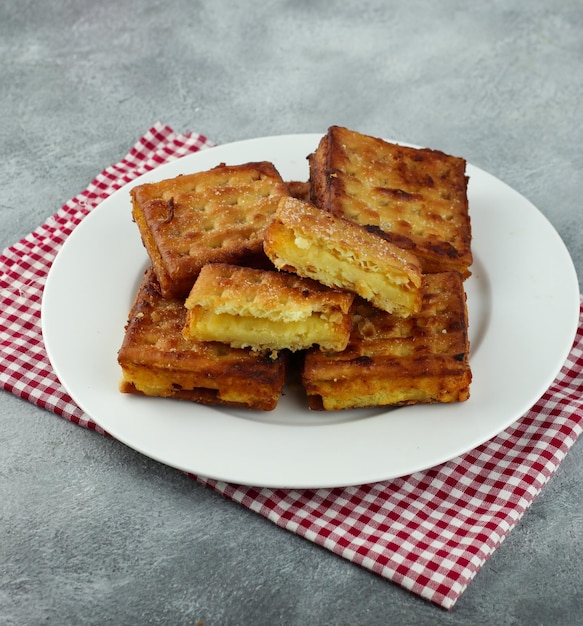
column 91, row 532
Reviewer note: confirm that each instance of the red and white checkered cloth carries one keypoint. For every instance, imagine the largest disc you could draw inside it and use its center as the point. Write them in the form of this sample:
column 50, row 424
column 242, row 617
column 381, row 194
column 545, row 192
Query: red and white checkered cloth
column 429, row 532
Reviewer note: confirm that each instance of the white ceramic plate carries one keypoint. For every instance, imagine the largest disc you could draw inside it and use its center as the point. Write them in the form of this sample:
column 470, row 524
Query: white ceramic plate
column 523, row 302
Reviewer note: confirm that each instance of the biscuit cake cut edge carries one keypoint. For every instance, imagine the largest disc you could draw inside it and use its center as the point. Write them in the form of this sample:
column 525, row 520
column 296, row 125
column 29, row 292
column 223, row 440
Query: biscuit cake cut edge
column 266, row 309
column 342, row 254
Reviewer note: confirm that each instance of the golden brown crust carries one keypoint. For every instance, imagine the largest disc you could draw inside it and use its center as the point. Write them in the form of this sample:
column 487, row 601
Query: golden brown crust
column 342, row 254
column 417, row 198
column 319, row 175
column 266, row 310
column 392, row 361
column 157, row 360
column 299, row 189
column 217, row 215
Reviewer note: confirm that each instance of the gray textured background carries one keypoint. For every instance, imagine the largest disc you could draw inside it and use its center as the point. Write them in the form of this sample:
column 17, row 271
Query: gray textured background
column 91, row 532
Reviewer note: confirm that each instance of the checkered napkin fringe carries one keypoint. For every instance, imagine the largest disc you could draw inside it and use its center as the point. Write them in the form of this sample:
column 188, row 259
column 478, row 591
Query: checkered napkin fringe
column 429, row 532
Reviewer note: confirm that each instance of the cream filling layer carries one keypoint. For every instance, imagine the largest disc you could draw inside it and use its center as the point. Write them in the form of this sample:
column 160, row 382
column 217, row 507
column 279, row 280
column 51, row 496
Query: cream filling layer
column 387, row 288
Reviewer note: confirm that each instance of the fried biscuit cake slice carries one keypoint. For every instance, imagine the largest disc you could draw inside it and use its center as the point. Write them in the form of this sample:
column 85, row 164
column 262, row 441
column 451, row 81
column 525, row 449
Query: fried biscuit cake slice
column 340, row 253
column 393, row 361
column 266, row 310
column 417, row 198
column 156, row 360
column 218, row 215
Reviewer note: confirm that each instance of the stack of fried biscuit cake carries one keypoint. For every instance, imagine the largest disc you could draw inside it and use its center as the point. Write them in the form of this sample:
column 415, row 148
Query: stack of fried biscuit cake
column 355, row 277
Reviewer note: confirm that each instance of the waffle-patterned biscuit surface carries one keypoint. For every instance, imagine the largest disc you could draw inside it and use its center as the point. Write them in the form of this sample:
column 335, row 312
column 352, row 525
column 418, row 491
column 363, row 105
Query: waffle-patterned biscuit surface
column 217, row 215
column 340, row 253
column 417, row 198
column 392, row 360
column 156, row 359
column 246, row 307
